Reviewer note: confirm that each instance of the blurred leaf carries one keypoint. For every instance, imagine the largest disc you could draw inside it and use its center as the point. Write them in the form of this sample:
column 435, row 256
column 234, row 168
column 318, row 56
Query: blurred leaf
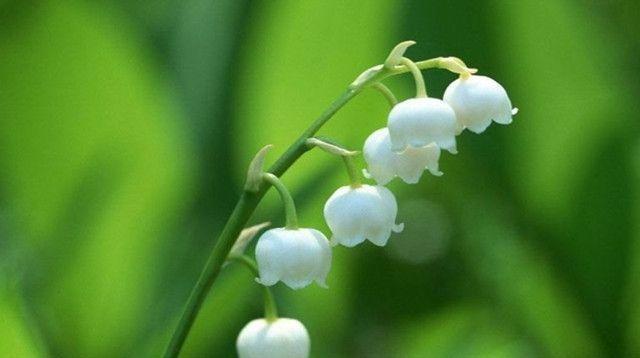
column 631, row 301
column 565, row 82
column 204, row 50
column 523, row 283
column 567, row 147
column 17, row 338
column 81, row 111
column 460, row 331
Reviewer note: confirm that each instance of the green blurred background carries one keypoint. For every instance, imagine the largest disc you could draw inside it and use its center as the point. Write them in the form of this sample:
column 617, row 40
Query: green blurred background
column 126, row 128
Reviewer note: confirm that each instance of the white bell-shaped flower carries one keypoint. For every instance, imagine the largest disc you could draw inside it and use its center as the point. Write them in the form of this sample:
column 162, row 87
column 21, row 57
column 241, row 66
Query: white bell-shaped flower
column 477, row 100
column 418, row 122
column 383, row 164
column 281, row 338
column 296, row 257
column 366, row 212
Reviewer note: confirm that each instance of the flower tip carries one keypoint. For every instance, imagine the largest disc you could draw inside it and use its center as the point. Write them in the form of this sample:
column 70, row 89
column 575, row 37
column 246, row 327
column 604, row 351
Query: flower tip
column 255, row 169
column 411, row 181
column 398, row 228
column 296, row 285
column 258, row 280
column 397, row 53
column 514, row 111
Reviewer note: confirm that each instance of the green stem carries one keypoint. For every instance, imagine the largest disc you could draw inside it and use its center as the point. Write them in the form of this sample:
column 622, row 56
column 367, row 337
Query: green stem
column 248, row 202
column 287, row 199
column 386, row 92
column 354, row 177
column 270, row 307
column 421, row 89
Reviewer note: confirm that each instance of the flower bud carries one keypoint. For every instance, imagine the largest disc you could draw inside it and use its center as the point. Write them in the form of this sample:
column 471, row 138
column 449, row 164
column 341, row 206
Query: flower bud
column 296, row 257
column 357, row 214
column 384, row 164
column 477, row 100
column 282, row 338
column 418, row 122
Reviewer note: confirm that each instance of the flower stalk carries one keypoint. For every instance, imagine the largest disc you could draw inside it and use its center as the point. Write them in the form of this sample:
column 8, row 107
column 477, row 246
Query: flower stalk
column 386, row 92
column 354, row 176
column 270, row 306
column 289, row 205
column 421, row 88
column 251, row 197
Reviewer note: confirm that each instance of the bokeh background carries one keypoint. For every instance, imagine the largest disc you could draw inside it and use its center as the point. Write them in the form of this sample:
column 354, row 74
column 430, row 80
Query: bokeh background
column 126, row 128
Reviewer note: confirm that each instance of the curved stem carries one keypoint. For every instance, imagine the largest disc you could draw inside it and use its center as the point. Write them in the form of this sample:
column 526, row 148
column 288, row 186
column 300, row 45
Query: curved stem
column 270, row 306
column 248, row 202
column 287, row 199
column 354, row 177
column 386, row 92
column 421, row 90
column 241, row 213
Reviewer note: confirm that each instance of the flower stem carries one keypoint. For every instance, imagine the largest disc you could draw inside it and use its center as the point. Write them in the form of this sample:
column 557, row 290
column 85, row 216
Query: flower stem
column 421, row 89
column 386, row 92
column 354, row 177
column 249, row 200
column 270, row 306
column 287, row 199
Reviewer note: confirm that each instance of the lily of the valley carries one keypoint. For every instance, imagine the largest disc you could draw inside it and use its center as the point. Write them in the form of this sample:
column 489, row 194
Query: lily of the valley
column 418, row 122
column 478, row 100
column 383, row 164
column 297, row 257
column 362, row 213
column 280, row 338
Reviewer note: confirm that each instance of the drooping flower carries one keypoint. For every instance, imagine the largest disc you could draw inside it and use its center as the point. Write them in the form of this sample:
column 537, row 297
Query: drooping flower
column 384, row 164
column 296, row 257
column 281, row 338
column 418, row 122
column 363, row 213
column 477, row 100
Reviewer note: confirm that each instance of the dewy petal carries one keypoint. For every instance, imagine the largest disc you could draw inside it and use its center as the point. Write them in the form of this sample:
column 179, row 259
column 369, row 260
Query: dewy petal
column 384, row 164
column 356, row 214
column 268, row 254
column 432, row 152
column 296, row 257
column 478, row 100
column 418, row 122
column 380, row 238
column 324, row 265
column 282, row 338
column 379, row 157
column 398, row 228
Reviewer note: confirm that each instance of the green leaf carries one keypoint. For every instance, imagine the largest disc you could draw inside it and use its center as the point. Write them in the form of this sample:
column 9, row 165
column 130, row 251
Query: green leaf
column 631, row 301
column 523, row 283
column 461, row 331
column 95, row 168
column 568, row 103
column 17, row 336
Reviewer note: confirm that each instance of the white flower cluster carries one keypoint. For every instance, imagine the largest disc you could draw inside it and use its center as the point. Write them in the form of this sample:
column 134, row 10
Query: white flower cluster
column 418, row 129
